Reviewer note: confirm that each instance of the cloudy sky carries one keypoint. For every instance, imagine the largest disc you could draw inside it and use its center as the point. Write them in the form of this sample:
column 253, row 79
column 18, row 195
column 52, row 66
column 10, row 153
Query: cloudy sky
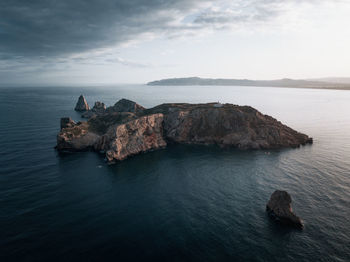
column 135, row 41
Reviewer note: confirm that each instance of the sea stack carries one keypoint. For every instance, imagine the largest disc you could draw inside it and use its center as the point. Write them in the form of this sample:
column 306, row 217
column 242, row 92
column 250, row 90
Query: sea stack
column 279, row 208
column 82, row 105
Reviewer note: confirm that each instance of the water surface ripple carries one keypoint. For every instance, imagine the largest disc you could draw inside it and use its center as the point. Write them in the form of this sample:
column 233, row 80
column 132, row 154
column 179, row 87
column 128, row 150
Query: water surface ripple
column 183, row 203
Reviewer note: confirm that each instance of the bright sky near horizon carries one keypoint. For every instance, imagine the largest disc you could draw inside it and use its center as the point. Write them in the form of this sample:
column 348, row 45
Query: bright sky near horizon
column 136, row 41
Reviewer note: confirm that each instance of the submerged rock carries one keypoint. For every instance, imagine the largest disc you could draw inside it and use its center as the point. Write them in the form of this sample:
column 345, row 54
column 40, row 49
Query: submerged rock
column 128, row 128
column 279, row 208
column 82, row 105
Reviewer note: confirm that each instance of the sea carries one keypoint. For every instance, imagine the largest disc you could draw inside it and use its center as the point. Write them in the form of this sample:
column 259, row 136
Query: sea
column 182, row 203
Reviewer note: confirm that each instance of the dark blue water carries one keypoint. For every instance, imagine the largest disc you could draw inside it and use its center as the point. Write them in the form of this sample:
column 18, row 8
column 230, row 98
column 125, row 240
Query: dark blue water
column 183, row 203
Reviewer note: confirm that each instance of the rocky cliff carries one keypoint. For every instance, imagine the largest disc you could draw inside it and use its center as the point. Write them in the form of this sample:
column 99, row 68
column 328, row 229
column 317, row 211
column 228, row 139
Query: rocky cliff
column 127, row 129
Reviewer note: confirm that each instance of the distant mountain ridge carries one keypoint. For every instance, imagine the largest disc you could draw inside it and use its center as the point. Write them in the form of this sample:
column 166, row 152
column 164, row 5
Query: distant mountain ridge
column 338, row 80
column 286, row 82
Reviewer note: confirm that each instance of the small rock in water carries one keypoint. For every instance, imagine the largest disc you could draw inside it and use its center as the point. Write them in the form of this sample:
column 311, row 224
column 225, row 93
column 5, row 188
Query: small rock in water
column 279, row 208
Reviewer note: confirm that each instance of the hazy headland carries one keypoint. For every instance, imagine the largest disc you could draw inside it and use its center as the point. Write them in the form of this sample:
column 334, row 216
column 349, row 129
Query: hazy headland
column 323, row 83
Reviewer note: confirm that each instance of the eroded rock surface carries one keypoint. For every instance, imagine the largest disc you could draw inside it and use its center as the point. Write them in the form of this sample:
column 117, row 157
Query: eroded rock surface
column 127, row 128
column 280, row 209
column 228, row 125
column 140, row 135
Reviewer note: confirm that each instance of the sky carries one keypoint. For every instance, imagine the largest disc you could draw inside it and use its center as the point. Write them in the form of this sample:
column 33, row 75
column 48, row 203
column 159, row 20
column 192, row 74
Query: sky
column 62, row 42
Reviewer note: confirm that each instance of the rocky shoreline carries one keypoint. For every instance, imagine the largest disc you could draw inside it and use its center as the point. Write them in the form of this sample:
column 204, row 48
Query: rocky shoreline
column 127, row 128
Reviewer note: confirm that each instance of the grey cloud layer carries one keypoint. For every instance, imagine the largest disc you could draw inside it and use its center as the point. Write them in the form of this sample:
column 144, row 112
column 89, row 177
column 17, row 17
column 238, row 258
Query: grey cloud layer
column 50, row 28
column 56, row 27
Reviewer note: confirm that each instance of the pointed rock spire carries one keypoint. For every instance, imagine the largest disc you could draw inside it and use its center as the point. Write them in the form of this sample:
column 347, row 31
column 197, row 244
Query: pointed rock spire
column 82, row 105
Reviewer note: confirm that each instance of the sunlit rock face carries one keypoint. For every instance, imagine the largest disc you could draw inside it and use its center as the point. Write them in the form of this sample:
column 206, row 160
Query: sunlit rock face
column 127, row 128
column 140, row 135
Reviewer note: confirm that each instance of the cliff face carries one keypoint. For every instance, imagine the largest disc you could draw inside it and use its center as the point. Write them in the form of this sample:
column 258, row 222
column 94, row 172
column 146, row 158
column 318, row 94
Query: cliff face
column 121, row 134
column 140, row 135
column 228, row 125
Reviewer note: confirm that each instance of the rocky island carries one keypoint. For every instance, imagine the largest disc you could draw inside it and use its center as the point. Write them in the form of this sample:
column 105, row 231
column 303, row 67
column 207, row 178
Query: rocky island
column 127, row 128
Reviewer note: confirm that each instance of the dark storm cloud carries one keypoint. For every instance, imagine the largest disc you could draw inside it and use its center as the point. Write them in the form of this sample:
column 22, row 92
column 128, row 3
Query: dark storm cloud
column 48, row 28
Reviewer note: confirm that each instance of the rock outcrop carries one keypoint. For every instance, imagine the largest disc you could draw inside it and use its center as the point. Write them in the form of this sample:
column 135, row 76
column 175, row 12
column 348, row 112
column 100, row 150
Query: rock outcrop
column 82, row 105
column 125, row 105
column 67, row 122
column 127, row 129
column 76, row 138
column 136, row 136
column 98, row 109
column 279, row 208
column 228, row 126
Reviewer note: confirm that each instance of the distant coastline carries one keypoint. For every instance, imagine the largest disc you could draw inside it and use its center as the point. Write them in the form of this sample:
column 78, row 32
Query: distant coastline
column 286, row 82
